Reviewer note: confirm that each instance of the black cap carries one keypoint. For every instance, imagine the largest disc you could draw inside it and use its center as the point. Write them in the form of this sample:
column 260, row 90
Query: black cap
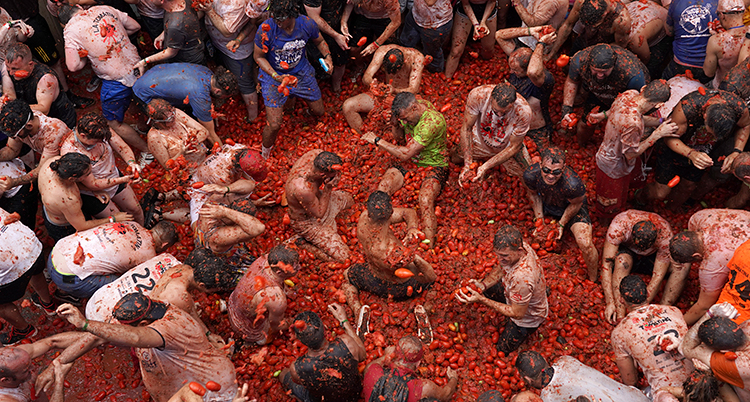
column 135, row 307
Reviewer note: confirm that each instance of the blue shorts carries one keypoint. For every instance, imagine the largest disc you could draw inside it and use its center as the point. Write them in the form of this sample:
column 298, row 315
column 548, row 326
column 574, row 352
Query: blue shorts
column 115, row 100
column 307, row 89
column 75, row 286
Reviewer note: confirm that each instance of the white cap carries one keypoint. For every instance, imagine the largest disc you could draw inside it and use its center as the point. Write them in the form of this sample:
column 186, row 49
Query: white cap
column 726, row 6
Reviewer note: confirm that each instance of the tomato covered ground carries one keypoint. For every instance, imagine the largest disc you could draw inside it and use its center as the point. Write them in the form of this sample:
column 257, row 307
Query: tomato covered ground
column 467, row 219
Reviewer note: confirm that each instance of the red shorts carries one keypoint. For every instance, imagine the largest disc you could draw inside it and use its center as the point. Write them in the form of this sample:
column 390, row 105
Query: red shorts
column 611, row 194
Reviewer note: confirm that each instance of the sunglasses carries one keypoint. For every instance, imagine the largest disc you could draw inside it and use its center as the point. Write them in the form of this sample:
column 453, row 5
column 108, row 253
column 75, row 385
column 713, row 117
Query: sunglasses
column 555, row 172
column 24, row 125
column 167, row 120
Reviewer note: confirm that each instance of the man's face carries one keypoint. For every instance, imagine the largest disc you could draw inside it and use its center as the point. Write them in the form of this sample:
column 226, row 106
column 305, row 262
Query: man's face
column 86, row 141
column 19, row 363
column 286, row 24
column 551, row 171
column 20, row 65
column 515, row 67
column 410, row 115
column 500, row 110
column 508, row 256
column 601, row 73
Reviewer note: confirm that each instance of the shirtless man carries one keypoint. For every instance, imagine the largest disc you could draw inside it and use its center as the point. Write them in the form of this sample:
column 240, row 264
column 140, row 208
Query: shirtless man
column 741, row 170
column 610, row 26
column 168, row 342
column 61, row 199
column 403, row 72
column 530, row 78
column 648, row 35
column 85, row 261
column 36, row 84
column 174, row 133
column 640, row 240
column 223, row 230
column 712, row 237
column 112, row 57
column 385, row 254
column 257, row 305
column 94, row 138
column 495, row 123
column 44, row 135
column 536, row 13
column 723, row 49
column 737, row 79
column 313, row 210
column 638, row 339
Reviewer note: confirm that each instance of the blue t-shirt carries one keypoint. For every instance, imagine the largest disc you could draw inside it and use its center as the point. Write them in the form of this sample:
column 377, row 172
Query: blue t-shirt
column 289, row 48
column 689, row 19
column 174, row 82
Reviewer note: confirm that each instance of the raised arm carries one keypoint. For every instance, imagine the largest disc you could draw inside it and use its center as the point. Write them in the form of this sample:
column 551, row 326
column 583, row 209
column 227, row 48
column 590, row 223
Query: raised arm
column 137, row 337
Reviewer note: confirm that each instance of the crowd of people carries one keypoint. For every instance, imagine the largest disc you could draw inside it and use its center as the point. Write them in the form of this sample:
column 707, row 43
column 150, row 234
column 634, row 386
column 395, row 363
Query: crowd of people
column 661, row 81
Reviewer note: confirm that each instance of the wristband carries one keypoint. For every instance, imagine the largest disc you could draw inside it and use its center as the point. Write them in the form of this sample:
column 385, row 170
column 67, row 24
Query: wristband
column 566, row 110
column 145, row 60
column 736, row 150
column 228, row 191
column 661, row 120
column 710, row 315
column 375, row 42
column 376, row 140
column 85, row 325
column 605, row 114
column 342, row 322
column 528, row 29
column 688, row 155
column 326, row 55
column 747, row 35
column 111, row 219
column 274, row 75
column 130, row 160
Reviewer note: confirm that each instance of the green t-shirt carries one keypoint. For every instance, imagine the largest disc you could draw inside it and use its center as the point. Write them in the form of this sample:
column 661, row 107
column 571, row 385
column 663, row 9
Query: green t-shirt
column 430, row 132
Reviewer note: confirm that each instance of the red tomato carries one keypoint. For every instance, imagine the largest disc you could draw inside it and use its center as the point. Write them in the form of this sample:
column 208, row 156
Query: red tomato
column 213, row 386
column 12, row 218
column 361, row 42
column 403, row 273
column 563, row 60
column 197, row 388
column 198, row 184
column 675, row 181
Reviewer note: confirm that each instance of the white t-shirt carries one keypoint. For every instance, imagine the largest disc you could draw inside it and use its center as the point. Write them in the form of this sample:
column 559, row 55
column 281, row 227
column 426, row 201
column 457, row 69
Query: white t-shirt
column 112, row 248
column 573, row 379
column 13, row 168
column 141, row 279
column 102, row 161
column 19, row 249
column 432, row 17
column 232, row 12
column 678, row 87
column 492, row 132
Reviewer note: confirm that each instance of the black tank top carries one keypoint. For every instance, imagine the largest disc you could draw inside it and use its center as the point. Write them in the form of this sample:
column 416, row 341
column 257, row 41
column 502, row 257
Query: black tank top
column 61, row 108
column 332, row 375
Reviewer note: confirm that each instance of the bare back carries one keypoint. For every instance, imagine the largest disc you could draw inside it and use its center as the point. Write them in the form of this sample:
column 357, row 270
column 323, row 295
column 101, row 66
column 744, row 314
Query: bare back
column 58, row 196
column 298, row 187
column 377, row 243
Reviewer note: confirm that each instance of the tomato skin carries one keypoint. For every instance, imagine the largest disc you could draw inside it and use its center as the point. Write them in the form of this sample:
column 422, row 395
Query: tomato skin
column 213, row 386
column 197, row 388
column 563, row 60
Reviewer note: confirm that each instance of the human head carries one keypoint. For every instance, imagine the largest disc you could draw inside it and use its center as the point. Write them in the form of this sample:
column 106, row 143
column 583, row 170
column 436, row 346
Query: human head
column 409, row 351
column 402, row 102
column 311, row 333
column 700, row 386
column 518, row 61
column 283, row 10
column 532, row 366
column 379, row 207
column 592, row 12
column 643, row 235
column 92, row 128
column 66, row 12
column 165, row 235
column 633, row 290
column 503, row 96
column 508, row 245
column 211, row 273
column 17, row 59
column 283, row 261
column 603, row 59
column 721, row 333
column 656, row 92
column 686, row 247
column 552, row 165
column 741, row 167
column 224, row 83
column 252, row 163
column 720, row 119
column 161, row 112
column 393, row 61
column 730, row 13
column 136, row 308
column 71, row 166
column 15, row 367
column 16, row 119
column 491, row 396
column 324, row 162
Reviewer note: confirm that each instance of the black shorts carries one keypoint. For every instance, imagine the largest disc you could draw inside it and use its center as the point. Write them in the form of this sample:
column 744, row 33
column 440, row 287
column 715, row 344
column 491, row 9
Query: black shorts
column 339, row 56
column 15, row 290
column 42, row 44
column 670, row 164
column 360, row 26
column 91, row 206
column 57, row 232
column 362, row 278
column 541, row 136
column 512, row 337
column 642, row 264
column 25, row 202
column 581, row 216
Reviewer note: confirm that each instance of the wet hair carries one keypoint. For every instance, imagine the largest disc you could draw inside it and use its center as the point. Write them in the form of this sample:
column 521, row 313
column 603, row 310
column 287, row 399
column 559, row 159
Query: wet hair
column 602, row 56
column 721, row 333
column 554, row 154
column 523, row 56
column 94, row 126
column 720, row 119
column 66, row 12
column 13, row 116
column 656, row 91
column 312, row 333
column 283, row 254
column 213, row 272
column 741, row 165
column 633, row 289
column 592, row 12
column 243, row 205
column 325, row 160
column 508, row 236
column 700, row 386
column 379, row 207
column 643, row 235
column 683, row 245
column 283, row 9
column 530, row 363
column 410, row 349
column 159, row 109
column 504, row 94
column 226, row 82
column 167, row 234
column 491, row 396
column 8, row 355
column 71, row 165
column 401, row 102
column 392, row 67
column 16, row 51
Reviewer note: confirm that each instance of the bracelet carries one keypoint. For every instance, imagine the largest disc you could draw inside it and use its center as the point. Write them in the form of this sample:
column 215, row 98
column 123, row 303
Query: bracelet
column 376, row 140
column 375, row 42
column 145, row 60
column 228, row 191
column 274, row 75
column 565, row 109
column 739, row 151
column 605, row 114
column 342, row 322
column 710, row 315
column 86, row 325
column 111, row 219
column 688, row 155
column 661, row 120
column 327, row 55
column 208, row 333
column 130, row 160
column 528, row 29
